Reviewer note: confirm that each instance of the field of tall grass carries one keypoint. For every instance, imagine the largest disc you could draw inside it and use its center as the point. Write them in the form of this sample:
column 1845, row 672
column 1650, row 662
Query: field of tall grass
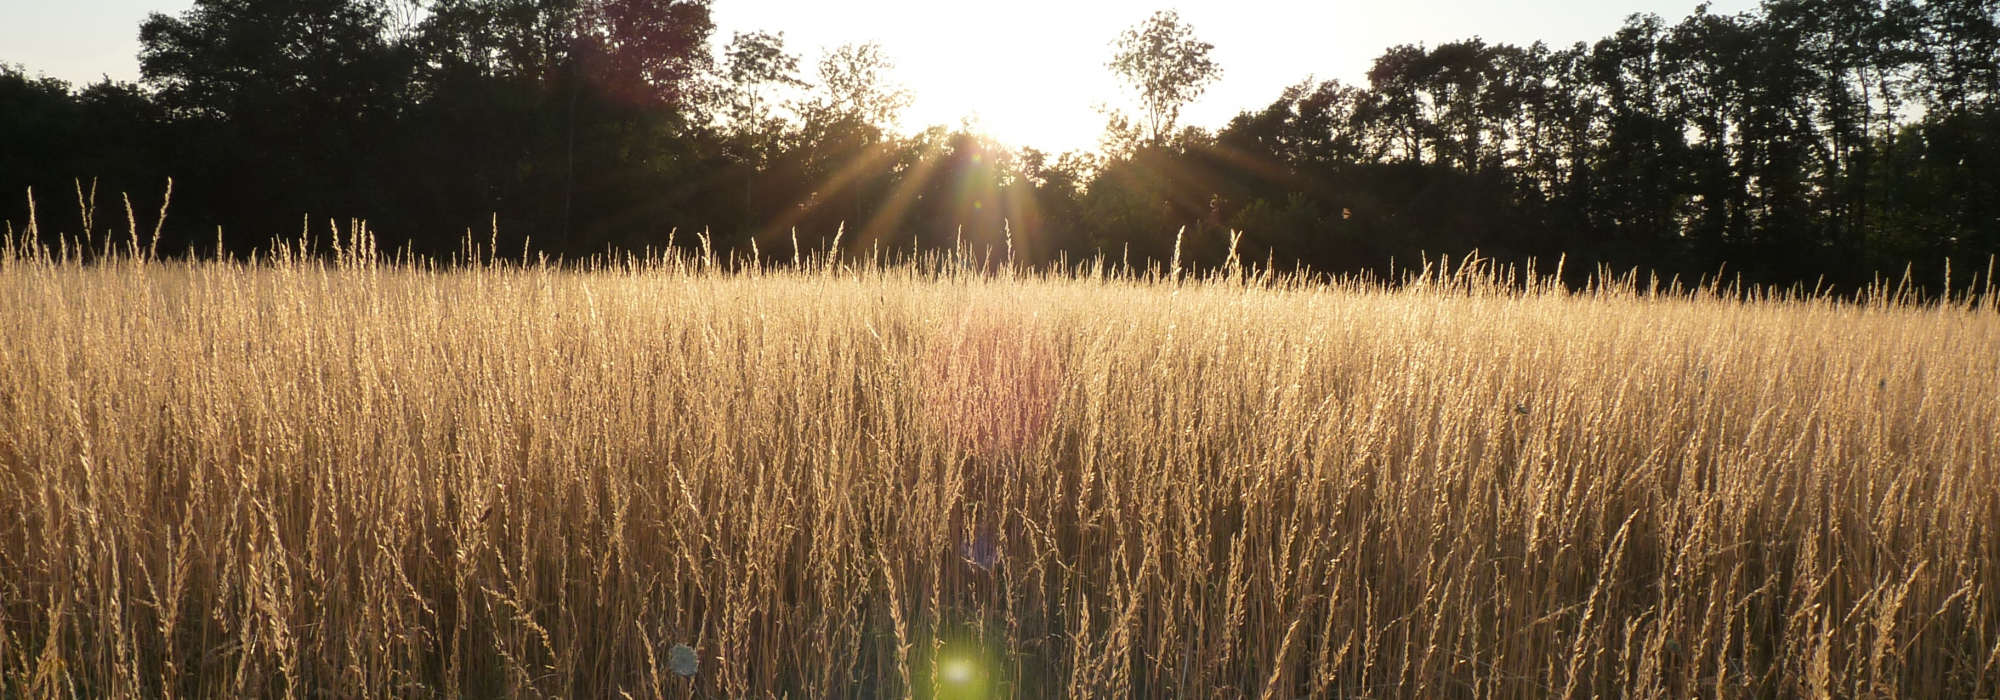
column 311, row 477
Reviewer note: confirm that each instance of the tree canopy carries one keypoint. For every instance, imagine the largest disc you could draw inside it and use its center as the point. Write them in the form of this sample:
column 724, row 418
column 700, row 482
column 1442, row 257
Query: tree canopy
column 1163, row 61
column 1808, row 141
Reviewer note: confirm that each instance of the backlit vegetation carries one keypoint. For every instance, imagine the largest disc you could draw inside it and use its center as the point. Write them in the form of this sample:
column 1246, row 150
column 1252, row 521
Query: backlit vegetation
column 297, row 477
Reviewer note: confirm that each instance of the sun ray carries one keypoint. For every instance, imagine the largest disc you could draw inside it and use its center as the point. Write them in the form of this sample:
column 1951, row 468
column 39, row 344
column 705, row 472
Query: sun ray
column 883, row 224
column 872, row 159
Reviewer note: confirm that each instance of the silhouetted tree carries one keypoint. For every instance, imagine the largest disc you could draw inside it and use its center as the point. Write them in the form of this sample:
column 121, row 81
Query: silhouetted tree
column 1167, row 66
column 1817, row 141
column 65, row 143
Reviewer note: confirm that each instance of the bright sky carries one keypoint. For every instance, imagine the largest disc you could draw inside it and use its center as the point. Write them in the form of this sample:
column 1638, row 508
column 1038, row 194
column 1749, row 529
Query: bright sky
column 1031, row 72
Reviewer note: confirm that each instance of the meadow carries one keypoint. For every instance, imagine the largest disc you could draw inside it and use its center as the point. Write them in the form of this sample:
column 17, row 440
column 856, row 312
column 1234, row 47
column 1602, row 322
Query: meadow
column 347, row 476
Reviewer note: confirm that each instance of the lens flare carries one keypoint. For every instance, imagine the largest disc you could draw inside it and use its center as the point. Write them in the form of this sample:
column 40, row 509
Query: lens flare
column 956, row 671
column 963, row 668
column 996, row 373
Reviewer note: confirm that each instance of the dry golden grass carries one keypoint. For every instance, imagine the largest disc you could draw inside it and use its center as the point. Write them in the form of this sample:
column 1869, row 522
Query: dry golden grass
column 362, row 479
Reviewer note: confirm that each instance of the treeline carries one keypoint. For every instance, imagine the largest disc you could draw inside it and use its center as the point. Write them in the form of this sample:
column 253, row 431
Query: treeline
column 1811, row 141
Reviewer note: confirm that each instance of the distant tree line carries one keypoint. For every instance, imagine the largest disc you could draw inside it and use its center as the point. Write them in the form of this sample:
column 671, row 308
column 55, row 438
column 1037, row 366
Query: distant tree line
column 1810, row 141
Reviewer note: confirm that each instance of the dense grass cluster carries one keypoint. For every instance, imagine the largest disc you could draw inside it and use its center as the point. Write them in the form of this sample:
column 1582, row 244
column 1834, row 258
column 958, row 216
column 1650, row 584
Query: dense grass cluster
column 355, row 478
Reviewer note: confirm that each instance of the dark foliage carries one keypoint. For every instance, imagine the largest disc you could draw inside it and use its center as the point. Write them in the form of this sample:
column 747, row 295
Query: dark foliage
column 1812, row 141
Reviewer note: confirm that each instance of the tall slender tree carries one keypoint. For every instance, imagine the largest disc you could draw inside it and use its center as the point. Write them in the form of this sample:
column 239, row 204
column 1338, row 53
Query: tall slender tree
column 1167, row 66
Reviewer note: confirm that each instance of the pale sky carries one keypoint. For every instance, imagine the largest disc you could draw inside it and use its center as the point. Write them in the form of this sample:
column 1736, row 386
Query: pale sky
column 1030, row 71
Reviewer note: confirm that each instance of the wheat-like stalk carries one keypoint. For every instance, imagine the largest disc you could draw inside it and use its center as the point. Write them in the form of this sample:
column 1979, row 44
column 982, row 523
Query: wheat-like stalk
column 359, row 478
